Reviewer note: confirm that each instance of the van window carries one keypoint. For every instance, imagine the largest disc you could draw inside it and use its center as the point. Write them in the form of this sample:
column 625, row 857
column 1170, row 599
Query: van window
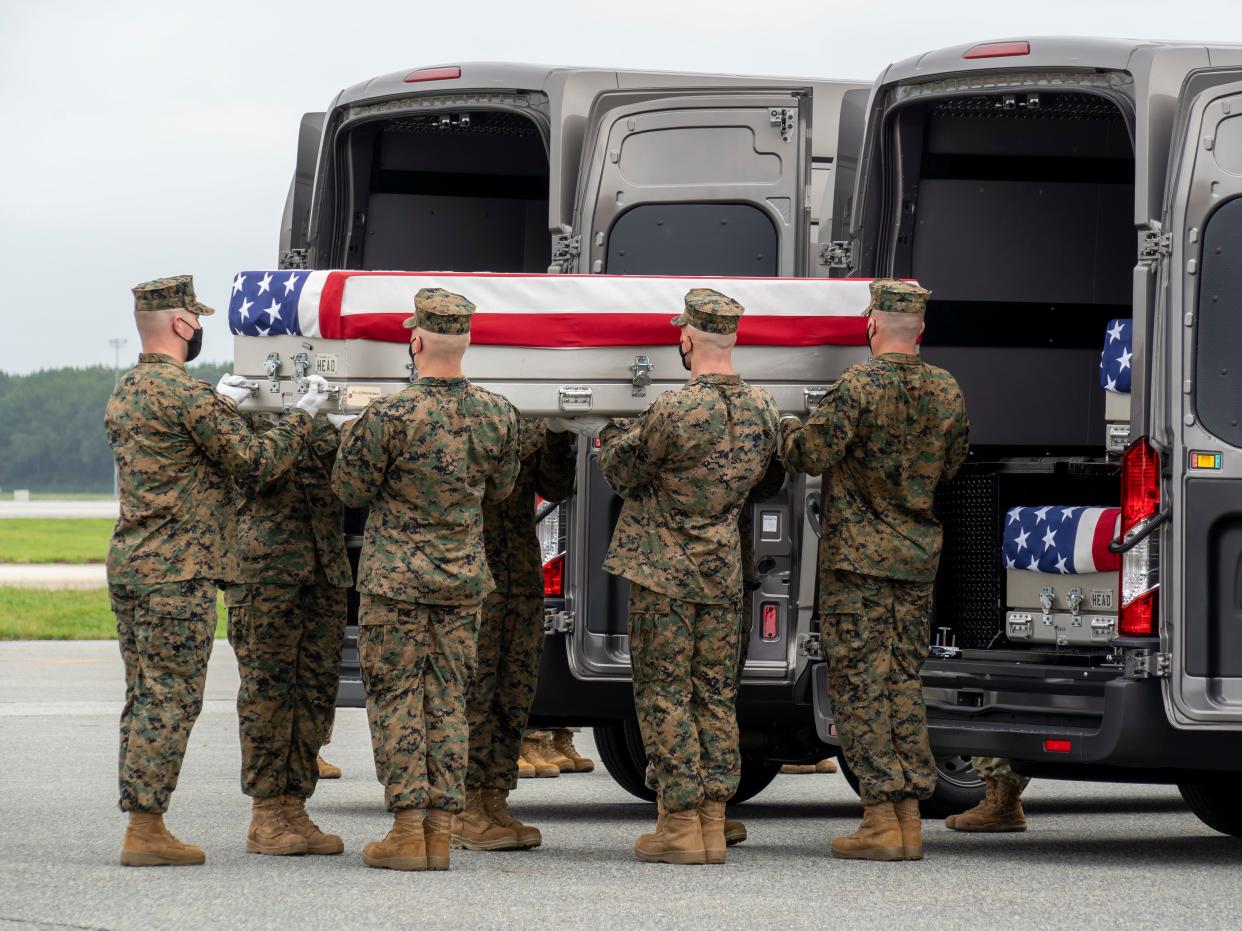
column 733, row 240
column 1218, row 365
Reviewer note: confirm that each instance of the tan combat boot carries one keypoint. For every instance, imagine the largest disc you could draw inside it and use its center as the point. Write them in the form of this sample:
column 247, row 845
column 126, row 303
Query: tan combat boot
column 827, row 765
column 999, row 812
column 877, row 838
column 712, row 822
column 404, row 848
column 438, row 832
column 474, row 828
column 911, row 823
column 327, row 770
column 547, row 749
column 533, row 751
column 797, row 769
column 496, row 803
column 293, row 807
column 564, row 743
column 525, row 770
column 677, row 839
column 149, row 843
column 734, row 831
column 270, row 833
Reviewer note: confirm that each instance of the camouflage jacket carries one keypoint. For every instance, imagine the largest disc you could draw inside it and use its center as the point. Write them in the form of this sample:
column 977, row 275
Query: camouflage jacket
column 513, row 555
column 179, row 446
column 288, row 525
column 887, row 433
column 684, row 468
column 423, row 461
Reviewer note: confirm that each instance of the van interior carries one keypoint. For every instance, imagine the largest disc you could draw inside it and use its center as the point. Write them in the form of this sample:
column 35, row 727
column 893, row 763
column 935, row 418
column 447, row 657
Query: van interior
column 1016, row 211
column 448, row 191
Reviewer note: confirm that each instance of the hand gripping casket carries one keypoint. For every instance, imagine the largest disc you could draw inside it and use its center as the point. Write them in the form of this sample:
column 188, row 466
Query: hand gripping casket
column 1060, row 578
column 551, row 344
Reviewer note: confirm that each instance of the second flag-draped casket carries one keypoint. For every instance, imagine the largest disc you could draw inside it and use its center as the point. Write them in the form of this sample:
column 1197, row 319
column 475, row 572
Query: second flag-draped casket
column 551, row 344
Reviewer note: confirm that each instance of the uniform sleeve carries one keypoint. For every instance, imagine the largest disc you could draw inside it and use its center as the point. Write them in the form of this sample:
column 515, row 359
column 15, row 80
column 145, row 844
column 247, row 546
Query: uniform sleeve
column 244, row 455
column 821, row 441
column 770, row 482
column 554, row 471
column 362, row 460
column 324, row 442
column 500, row 483
column 630, row 456
column 958, row 442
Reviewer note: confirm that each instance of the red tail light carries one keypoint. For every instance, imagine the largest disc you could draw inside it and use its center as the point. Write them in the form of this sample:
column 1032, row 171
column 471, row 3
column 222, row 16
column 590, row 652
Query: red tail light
column 433, row 74
column 1057, row 746
column 554, row 577
column 999, row 50
column 770, row 629
column 1140, row 484
column 1139, row 580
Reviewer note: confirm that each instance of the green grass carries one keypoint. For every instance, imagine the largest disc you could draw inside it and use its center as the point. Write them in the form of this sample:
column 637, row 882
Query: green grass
column 41, row 614
column 58, row 539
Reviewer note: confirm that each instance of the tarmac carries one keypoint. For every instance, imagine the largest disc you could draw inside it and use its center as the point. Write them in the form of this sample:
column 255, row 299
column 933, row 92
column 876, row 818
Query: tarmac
column 1096, row 856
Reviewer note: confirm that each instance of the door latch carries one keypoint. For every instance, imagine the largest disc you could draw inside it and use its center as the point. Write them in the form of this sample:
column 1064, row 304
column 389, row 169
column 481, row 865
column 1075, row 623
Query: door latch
column 810, row 647
column 271, row 365
column 557, row 622
column 785, row 119
column 1144, row 664
column 301, row 366
column 641, row 369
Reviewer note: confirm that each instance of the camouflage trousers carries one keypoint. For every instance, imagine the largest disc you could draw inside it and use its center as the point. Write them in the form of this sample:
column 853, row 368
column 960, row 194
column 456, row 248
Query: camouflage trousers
column 509, row 647
column 997, row 768
column 288, row 644
column 685, row 659
column 875, row 634
column 165, row 633
column 417, row 663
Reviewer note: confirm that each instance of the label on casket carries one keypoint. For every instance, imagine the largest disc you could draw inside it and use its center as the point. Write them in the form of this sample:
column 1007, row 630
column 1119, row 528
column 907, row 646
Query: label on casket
column 1101, row 599
column 360, row 396
column 325, row 364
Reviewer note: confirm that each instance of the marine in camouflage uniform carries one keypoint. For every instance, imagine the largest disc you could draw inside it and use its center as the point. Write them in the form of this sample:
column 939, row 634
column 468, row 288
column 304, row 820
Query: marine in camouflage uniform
column 887, row 433
column 424, row 461
column 1000, row 811
column 178, row 447
column 685, row 468
column 511, row 634
column 287, row 621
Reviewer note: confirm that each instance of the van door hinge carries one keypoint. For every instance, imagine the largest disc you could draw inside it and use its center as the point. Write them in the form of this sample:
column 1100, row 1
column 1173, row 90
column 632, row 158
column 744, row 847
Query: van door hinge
column 1156, row 245
column 557, row 622
column 837, row 254
column 810, row 647
column 786, row 118
column 292, row 258
column 1144, row 664
column 565, row 248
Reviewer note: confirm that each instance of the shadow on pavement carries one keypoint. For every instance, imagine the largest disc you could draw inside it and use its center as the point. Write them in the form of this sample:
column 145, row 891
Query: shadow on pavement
column 1132, row 851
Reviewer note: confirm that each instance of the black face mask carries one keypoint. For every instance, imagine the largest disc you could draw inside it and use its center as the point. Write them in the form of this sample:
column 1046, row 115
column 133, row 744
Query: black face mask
column 685, row 363
column 413, row 364
column 193, row 345
column 870, row 336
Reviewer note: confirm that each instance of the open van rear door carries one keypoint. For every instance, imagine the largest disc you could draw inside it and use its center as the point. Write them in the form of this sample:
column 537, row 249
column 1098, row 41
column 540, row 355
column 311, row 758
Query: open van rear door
column 295, row 224
column 1201, row 590
column 695, row 182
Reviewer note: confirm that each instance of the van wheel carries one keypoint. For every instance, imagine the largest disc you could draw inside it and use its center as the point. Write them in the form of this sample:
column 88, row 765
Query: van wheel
column 1217, row 804
column 620, row 747
column 958, row 786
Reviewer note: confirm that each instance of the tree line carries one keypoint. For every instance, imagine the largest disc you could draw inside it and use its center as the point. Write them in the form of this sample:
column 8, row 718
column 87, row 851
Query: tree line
column 52, row 435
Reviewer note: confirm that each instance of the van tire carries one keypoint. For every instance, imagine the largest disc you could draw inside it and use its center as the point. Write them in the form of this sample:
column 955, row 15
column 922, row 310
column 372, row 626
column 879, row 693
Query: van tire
column 1217, row 804
column 620, row 747
column 958, row 786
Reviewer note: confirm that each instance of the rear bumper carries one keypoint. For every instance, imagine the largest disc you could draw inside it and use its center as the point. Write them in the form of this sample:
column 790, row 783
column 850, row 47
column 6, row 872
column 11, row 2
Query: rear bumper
column 1094, row 717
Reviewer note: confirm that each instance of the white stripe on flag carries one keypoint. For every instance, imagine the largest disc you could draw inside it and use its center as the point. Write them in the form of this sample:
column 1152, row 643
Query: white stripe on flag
column 602, row 294
column 308, row 303
column 1084, row 551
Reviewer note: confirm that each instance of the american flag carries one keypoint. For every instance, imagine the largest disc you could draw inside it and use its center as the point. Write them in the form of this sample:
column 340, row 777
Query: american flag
column 553, row 311
column 1115, row 360
column 266, row 303
column 1061, row 540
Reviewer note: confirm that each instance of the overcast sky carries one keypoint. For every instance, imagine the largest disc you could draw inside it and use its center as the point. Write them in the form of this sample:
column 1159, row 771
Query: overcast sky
column 144, row 139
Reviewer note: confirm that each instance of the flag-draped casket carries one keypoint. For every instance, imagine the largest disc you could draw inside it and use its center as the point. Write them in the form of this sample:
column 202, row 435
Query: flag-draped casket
column 552, row 344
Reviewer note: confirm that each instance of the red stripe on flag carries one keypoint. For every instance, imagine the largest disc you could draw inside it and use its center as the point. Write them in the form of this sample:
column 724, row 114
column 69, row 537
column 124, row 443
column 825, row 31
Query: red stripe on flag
column 1105, row 532
column 330, row 306
column 566, row 331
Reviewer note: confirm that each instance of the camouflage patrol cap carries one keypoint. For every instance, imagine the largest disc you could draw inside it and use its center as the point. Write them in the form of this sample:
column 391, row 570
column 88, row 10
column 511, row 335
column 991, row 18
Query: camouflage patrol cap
column 892, row 296
column 710, row 311
column 440, row 311
column 169, row 294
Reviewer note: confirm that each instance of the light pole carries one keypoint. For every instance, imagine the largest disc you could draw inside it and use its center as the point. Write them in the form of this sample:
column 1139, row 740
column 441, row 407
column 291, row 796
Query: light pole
column 117, row 343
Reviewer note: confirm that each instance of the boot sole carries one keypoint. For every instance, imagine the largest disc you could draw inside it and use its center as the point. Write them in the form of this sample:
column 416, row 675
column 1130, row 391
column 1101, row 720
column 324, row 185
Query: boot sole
column 256, row 847
column 583, row 769
column 989, row 829
column 406, row 864
column 155, row 859
column 732, row 840
column 912, row 854
column 876, row 854
column 437, row 863
column 460, row 843
column 678, row 857
column 333, row 851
